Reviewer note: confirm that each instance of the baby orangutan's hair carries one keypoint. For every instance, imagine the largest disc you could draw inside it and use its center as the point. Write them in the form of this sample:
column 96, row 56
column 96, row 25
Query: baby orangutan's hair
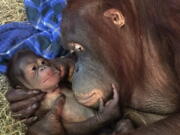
column 13, row 69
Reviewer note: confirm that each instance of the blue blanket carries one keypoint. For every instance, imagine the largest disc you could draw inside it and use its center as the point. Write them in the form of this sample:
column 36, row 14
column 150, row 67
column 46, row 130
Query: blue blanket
column 41, row 33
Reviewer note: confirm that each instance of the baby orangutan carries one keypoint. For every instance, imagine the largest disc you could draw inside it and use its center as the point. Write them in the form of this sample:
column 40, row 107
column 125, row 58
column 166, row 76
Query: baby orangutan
column 59, row 112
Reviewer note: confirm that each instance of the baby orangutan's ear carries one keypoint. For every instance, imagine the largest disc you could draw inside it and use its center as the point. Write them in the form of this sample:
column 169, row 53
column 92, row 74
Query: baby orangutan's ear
column 115, row 16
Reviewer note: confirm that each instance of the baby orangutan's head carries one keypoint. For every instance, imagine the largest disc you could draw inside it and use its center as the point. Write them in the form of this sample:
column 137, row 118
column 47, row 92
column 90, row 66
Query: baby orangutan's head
column 28, row 70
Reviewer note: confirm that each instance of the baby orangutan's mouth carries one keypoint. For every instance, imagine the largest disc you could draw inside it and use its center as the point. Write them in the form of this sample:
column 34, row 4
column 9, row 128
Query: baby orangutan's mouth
column 52, row 74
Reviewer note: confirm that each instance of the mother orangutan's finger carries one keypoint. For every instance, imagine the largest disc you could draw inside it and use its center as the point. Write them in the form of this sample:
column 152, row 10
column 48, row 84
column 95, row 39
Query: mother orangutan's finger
column 15, row 107
column 18, row 94
column 26, row 112
column 30, row 120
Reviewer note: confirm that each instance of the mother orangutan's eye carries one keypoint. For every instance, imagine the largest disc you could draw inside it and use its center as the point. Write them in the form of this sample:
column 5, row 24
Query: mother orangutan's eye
column 79, row 48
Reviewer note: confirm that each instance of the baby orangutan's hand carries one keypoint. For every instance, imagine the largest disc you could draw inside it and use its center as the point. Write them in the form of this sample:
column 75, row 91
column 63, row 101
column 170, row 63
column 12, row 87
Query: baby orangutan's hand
column 111, row 110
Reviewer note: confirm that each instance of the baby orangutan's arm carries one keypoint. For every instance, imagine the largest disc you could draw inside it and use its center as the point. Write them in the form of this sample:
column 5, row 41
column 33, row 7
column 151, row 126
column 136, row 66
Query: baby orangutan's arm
column 104, row 116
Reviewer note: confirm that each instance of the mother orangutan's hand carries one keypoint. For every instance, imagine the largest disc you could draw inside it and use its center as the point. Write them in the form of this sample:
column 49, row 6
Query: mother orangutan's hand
column 23, row 104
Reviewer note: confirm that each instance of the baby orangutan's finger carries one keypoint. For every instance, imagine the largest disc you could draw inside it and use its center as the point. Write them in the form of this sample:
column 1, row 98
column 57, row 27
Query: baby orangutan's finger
column 101, row 105
column 21, row 105
column 115, row 98
column 15, row 95
column 115, row 94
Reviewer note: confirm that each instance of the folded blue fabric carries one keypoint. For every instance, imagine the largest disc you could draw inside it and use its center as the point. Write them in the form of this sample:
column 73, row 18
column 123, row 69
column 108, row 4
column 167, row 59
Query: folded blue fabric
column 41, row 33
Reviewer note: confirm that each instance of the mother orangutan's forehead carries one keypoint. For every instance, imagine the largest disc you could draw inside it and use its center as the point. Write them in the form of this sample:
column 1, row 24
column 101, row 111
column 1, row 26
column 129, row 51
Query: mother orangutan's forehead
column 83, row 7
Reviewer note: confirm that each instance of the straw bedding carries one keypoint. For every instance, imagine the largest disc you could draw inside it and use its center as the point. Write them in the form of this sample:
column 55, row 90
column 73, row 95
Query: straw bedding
column 10, row 11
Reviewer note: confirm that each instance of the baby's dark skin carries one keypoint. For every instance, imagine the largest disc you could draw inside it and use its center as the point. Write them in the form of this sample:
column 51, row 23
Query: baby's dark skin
column 59, row 112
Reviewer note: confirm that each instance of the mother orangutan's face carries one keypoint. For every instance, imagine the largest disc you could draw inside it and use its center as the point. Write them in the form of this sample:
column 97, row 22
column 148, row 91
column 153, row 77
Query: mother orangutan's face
column 92, row 79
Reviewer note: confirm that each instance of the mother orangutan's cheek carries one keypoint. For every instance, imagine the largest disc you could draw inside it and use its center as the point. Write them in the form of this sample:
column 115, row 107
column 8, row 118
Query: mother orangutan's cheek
column 91, row 82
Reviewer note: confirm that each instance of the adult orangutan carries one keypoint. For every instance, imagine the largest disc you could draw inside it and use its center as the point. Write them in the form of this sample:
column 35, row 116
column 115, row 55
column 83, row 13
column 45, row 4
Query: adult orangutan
column 134, row 44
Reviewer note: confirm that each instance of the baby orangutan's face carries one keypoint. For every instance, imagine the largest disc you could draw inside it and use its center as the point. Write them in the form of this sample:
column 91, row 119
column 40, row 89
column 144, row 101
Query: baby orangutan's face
column 40, row 74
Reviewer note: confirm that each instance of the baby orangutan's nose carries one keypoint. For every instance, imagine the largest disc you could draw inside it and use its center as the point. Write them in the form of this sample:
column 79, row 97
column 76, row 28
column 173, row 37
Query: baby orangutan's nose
column 90, row 99
column 42, row 68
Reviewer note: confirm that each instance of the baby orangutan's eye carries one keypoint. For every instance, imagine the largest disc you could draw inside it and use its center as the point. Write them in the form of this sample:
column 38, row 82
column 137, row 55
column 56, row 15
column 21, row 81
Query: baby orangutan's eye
column 43, row 62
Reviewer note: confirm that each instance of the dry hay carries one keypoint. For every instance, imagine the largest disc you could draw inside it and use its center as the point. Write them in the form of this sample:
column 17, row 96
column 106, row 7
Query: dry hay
column 8, row 126
column 10, row 11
